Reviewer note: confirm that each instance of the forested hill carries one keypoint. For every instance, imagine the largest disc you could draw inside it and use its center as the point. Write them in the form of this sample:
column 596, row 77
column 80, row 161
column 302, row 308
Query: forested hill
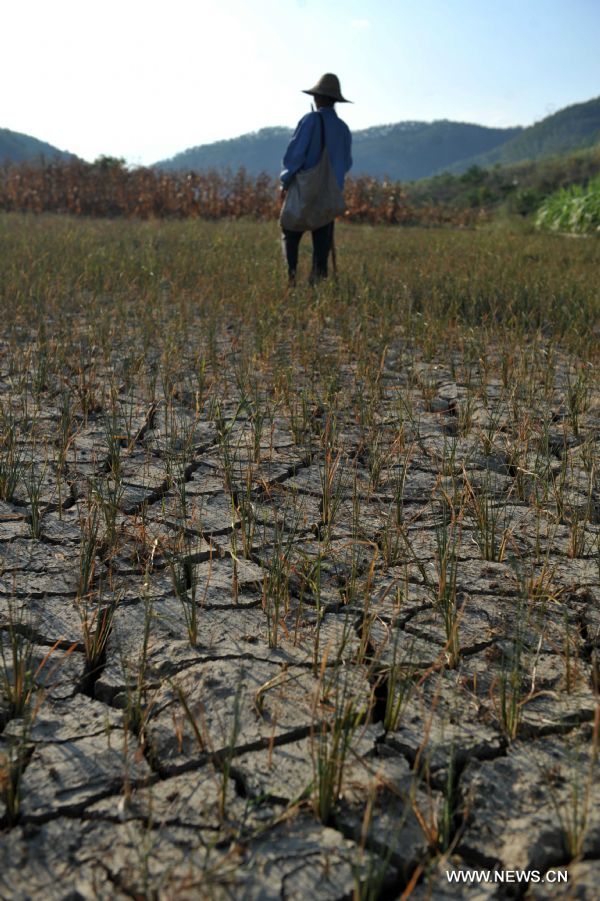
column 404, row 151
column 19, row 148
column 573, row 128
column 407, row 151
column 411, row 150
column 259, row 151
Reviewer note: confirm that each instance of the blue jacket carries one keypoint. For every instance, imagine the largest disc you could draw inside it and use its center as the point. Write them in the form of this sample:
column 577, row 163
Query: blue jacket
column 304, row 150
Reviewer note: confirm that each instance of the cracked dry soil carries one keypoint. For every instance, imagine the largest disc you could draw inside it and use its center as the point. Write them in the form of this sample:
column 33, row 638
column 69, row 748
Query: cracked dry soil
column 249, row 654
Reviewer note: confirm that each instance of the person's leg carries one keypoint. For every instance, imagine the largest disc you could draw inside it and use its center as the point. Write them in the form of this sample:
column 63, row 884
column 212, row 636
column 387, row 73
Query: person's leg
column 291, row 243
column 322, row 240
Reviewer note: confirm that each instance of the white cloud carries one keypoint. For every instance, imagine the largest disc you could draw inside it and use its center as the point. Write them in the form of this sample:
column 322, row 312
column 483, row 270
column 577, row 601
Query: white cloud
column 360, row 24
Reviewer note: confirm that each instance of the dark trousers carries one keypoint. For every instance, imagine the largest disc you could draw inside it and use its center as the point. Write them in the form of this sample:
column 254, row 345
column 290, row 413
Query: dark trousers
column 322, row 239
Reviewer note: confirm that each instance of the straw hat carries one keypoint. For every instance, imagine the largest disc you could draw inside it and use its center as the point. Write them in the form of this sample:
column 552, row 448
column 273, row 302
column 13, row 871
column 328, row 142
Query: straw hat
column 328, row 85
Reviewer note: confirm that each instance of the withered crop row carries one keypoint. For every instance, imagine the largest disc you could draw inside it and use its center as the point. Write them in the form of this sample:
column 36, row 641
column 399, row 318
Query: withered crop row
column 108, row 188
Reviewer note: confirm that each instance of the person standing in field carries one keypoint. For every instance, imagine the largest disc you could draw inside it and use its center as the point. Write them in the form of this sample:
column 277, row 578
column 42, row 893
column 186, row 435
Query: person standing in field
column 304, row 152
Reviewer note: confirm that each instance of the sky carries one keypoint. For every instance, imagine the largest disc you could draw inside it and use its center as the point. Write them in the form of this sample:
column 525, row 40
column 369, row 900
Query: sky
column 143, row 80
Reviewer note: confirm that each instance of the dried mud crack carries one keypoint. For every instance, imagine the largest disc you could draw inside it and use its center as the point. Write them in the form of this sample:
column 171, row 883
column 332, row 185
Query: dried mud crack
column 299, row 595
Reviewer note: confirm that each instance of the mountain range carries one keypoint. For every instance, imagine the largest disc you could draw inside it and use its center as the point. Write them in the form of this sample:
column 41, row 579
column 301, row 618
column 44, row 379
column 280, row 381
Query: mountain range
column 408, row 151
column 19, row 148
column 404, row 151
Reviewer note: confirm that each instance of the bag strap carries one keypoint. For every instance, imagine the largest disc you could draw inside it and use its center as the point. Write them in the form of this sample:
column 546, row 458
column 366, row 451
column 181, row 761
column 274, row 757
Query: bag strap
column 322, row 131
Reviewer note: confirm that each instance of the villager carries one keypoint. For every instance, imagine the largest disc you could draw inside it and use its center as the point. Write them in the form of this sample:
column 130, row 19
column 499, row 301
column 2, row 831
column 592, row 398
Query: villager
column 319, row 129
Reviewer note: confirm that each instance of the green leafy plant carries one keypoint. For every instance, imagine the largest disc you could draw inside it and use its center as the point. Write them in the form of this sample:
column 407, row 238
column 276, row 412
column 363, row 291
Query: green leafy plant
column 574, row 209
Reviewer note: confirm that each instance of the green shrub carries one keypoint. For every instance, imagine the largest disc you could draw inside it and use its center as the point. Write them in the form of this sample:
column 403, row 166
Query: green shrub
column 575, row 209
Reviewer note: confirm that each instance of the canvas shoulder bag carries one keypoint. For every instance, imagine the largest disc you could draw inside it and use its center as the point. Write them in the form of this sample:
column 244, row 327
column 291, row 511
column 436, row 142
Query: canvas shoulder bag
column 314, row 197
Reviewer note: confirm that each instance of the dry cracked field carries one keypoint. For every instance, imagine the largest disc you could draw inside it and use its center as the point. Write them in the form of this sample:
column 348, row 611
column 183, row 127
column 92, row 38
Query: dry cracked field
column 299, row 595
